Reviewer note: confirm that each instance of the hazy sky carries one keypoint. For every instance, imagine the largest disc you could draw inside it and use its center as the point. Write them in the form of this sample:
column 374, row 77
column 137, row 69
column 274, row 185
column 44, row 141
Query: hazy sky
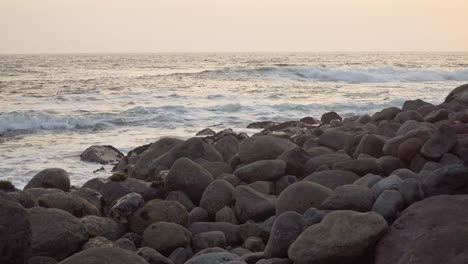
column 49, row 26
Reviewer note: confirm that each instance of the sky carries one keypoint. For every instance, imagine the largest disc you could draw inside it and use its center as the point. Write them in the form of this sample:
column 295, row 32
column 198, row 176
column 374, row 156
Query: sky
column 108, row 26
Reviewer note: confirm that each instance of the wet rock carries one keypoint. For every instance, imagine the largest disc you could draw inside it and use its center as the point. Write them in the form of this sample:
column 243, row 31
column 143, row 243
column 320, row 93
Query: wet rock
column 332, row 178
column 152, row 256
column 252, row 205
column 262, row 124
column 102, row 226
column 55, row 233
column 50, row 178
column 226, row 214
column 334, row 139
column 99, row 255
column 187, row 176
column 164, row 237
column 431, row 231
column 329, row 116
column 231, row 178
column 263, row 148
column 231, row 231
column 198, row 214
column 316, row 151
column 68, row 202
column 389, row 204
column 392, row 144
column 300, row 196
column 452, row 179
column 208, row 240
column 341, row 237
column 101, row 154
column 252, row 258
column 350, row 197
column 227, row 146
column 286, row 228
column 439, row 143
column 158, row 211
column 262, row 170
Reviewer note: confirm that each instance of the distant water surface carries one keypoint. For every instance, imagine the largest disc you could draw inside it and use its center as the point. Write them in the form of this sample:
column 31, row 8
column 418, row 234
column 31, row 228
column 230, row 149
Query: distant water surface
column 52, row 107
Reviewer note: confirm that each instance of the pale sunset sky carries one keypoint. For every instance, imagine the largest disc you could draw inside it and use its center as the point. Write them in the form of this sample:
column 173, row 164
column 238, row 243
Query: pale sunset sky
column 88, row 26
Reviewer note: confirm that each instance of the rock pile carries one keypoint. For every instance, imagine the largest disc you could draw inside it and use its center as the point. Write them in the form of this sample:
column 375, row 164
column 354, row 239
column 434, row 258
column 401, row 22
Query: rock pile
column 386, row 188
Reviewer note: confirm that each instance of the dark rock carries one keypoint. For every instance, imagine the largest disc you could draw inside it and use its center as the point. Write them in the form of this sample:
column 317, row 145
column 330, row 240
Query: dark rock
column 55, row 233
column 439, row 143
column 309, row 120
column 252, row 258
column 226, row 214
column 217, row 168
column 164, row 237
column 101, row 154
column 97, row 242
column 436, row 116
column 125, row 206
column 329, row 116
column 187, row 176
column 313, row 216
column 405, row 174
column 41, row 260
column 180, row 255
column 284, row 182
column 26, row 199
column 216, row 196
column 360, row 166
column 371, row 145
column 389, row 204
column 402, row 117
column 389, row 164
column 125, row 244
column 231, row 231
column 334, row 139
column 417, row 163
column 214, row 258
column 413, row 104
column 341, row 237
column 262, row 124
column 95, row 184
column 100, row 255
column 385, row 114
column 412, row 191
column 319, row 151
column 198, row 214
column 391, row 182
column 152, row 256
column 328, row 160
column 452, row 179
column 252, row 205
column 206, row 132
column 50, row 178
column 68, row 202
column 135, row 238
column 240, row 251
column 231, row 178
column 262, row 170
column 409, row 148
column 295, row 160
column 286, row 228
column 368, row 180
column 332, row 178
column 158, row 211
column 114, row 190
column 254, row 244
column 350, row 197
column 263, row 148
column 431, row 231
column 92, row 196
column 101, row 226
column 300, row 196
column 182, row 198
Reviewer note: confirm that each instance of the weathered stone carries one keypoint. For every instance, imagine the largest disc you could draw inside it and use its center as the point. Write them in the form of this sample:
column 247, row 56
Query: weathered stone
column 101, row 154
column 402, row 117
column 214, row 258
column 92, row 196
column 152, row 256
column 164, row 237
column 359, row 166
column 452, row 179
column 371, row 145
column 413, row 104
column 328, row 160
column 431, row 231
column 182, row 198
column 389, row 204
column 180, row 255
column 412, row 191
column 350, row 197
column 97, row 242
column 68, row 202
column 95, row 184
column 254, row 244
column 332, row 178
column 50, row 178
column 217, row 168
column 300, row 196
column 329, row 116
column 262, row 170
column 102, row 226
column 391, row 182
column 341, row 237
column 385, row 114
column 334, row 139
column 231, row 231
column 135, row 238
column 295, row 161
column 158, row 211
column 263, row 148
column 368, row 180
column 252, row 205
column 198, row 214
column 283, row 182
column 409, row 148
column 41, row 260
column 439, row 143
column 436, row 116
column 405, row 174
column 100, row 255
column 208, row 240
column 26, row 199
column 114, row 190
column 313, row 216
column 125, row 206
column 227, row 146
column 286, row 228
column 266, row 187
column 226, row 214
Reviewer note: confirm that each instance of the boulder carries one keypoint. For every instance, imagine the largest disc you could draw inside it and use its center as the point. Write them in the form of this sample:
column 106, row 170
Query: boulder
column 92, row 196
column 262, row 170
column 226, row 214
column 25, row 198
column 334, row 139
column 102, row 226
column 198, row 214
column 252, row 205
column 41, row 260
column 436, row 116
column 412, row 190
column 452, row 179
column 332, row 178
column 208, row 240
column 300, row 196
column 68, row 202
column 341, row 237
column 266, row 187
column 95, row 184
column 391, row 182
column 295, row 161
column 284, row 182
column 371, row 145
column 216, row 196
column 360, row 166
column 114, row 190
column 286, row 228
column 263, row 148
column 100, row 255
column 439, row 143
column 316, row 151
column 350, row 197
column 402, row 117
column 324, row 160
column 125, row 206
column 409, row 148
column 217, row 168
column 227, row 146
column 388, row 164
column 50, row 178
column 187, row 176
column 164, row 237
column 97, row 242
column 182, row 198
column 434, row 230
column 386, row 114
column 413, row 104
column 55, row 233
column 180, row 255
column 101, row 154
column 230, row 231
column 15, row 231
column 389, row 204
column 152, row 256
column 368, row 180
column 214, row 258
column 158, row 211
column 329, row 116
column 254, row 244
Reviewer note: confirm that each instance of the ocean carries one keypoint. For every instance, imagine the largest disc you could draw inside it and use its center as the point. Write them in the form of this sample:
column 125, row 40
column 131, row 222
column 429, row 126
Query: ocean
column 52, row 107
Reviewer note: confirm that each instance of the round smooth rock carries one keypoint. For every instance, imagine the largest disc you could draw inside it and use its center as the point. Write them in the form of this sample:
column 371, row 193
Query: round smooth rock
column 217, row 195
column 300, row 196
column 100, row 255
column 286, row 228
column 158, row 211
column 50, row 178
column 164, row 237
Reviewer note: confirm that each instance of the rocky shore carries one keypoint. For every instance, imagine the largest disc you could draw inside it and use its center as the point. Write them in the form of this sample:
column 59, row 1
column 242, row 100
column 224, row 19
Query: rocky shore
column 386, row 188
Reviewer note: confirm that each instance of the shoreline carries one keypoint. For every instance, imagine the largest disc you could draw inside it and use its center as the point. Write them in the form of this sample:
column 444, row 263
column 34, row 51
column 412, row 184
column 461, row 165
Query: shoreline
column 334, row 190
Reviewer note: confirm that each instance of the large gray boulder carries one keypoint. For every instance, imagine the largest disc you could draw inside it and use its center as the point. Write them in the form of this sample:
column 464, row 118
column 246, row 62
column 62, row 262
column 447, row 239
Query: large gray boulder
column 371, row 145
column 439, row 143
column 350, row 197
column 216, row 196
column 300, row 196
column 55, row 233
column 341, row 237
column 227, row 146
column 286, row 228
column 125, row 206
column 92, row 196
column 185, row 175
column 100, row 255
column 334, row 139
column 68, row 202
column 114, row 190
column 253, row 205
column 452, row 179
column 101, row 154
column 158, row 211
column 50, row 178
column 332, row 178
column 295, row 161
column 15, row 231
column 262, row 170
column 389, row 204
column 263, row 148
column 164, row 237
column 102, row 226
